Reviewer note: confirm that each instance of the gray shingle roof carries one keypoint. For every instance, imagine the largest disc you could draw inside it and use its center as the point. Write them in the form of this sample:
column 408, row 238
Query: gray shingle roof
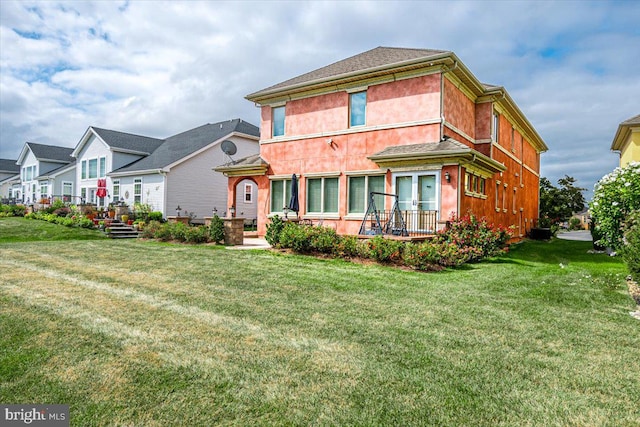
column 51, row 152
column 183, row 144
column 445, row 146
column 635, row 120
column 9, row 166
column 128, row 141
column 371, row 59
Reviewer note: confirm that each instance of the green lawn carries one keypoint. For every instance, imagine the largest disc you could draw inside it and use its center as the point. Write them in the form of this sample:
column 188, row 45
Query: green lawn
column 142, row 333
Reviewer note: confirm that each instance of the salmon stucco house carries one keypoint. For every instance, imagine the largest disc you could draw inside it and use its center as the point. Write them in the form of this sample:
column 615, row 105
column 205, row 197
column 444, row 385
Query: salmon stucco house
column 413, row 123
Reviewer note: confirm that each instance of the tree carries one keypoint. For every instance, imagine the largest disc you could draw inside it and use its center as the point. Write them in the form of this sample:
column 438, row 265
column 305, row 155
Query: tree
column 558, row 204
column 615, row 198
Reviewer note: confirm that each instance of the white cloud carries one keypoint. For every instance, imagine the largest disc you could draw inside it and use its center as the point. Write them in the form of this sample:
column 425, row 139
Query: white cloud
column 158, row 68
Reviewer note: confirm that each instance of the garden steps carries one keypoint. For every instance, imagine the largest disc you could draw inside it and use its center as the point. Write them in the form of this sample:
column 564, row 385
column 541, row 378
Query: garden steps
column 119, row 230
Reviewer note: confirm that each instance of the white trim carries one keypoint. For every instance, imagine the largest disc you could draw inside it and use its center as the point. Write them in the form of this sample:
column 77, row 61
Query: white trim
column 353, row 130
column 374, row 172
column 322, row 174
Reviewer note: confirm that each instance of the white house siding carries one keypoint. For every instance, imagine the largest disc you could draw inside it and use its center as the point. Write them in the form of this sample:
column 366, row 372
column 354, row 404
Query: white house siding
column 27, row 186
column 95, row 148
column 194, row 185
column 55, row 183
column 247, row 208
column 152, row 191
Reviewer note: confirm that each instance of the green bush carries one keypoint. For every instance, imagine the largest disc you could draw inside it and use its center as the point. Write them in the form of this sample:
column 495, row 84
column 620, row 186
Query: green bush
column 323, row 239
column 421, row 256
column 348, row 247
column 294, row 237
column 274, row 229
column 476, row 238
column 179, row 231
column 615, row 196
column 217, row 230
column 385, row 250
column 150, row 230
column 164, row 232
column 631, row 249
column 198, row 234
column 575, row 224
column 155, row 216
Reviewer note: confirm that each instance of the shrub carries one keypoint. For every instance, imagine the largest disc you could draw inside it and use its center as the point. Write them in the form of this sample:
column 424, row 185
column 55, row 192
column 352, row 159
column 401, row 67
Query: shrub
column 294, row 237
column 476, row 238
column 17, row 210
column 615, row 196
column 155, row 216
column 217, row 229
column 63, row 211
column 179, row 231
column 575, row 224
column 323, row 239
column 164, row 232
column 631, row 249
column 150, row 230
column 198, row 234
column 274, row 230
column 421, row 256
column 85, row 223
column 385, row 250
column 347, row 246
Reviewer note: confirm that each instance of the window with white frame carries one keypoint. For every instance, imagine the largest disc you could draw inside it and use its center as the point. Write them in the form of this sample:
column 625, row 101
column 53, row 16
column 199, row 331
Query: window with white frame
column 33, row 193
column 137, row 190
column 496, row 127
column 248, row 193
column 277, row 119
column 357, row 108
column 322, row 195
column 83, row 194
column 474, row 185
column 280, row 194
column 103, row 167
column 44, row 189
column 83, row 169
column 93, row 168
column 360, row 187
column 116, row 190
column 67, row 191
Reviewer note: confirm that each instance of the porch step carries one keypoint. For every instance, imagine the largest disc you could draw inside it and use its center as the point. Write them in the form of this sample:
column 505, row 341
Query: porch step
column 118, row 230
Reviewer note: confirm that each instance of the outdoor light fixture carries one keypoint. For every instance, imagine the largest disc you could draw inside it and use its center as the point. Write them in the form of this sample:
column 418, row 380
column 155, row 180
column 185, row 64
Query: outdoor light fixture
column 285, row 210
column 215, row 211
column 178, row 209
column 447, row 176
column 232, row 211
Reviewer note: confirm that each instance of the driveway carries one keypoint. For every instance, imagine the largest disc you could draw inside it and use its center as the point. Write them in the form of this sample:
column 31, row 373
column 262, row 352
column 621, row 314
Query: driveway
column 582, row 235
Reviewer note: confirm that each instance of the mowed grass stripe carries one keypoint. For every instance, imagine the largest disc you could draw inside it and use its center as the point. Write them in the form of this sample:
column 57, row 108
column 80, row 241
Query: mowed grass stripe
column 140, row 318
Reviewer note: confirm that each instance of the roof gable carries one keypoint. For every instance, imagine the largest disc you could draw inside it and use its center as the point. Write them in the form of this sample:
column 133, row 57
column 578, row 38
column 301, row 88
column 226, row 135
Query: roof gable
column 46, row 153
column 9, row 166
column 181, row 146
column 122, row 141
column 380, row 57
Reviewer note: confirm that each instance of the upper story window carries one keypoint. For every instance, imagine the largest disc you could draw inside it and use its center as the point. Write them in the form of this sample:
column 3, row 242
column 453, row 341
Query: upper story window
column 495, row 129
column 277, row 121
column 357, row 108
column 103, row 167
column 93, row 168
column 83, row 168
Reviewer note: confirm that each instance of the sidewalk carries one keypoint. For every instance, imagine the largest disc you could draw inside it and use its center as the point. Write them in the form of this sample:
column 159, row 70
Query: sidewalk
column 581, row 235
column 252, row 243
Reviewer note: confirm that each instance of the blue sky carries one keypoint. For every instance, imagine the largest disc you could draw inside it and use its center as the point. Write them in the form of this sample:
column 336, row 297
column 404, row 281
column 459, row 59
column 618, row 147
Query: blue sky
column 159, row 68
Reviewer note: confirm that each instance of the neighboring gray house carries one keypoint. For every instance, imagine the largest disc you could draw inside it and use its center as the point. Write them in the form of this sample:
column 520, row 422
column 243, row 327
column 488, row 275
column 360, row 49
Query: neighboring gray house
column 180, row 172
column 9, row 179
column 101, row 151
column 46, row 171
column 165, row 173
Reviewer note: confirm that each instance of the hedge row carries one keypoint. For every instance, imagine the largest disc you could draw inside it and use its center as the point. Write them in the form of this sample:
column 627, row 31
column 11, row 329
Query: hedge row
column 467, row 240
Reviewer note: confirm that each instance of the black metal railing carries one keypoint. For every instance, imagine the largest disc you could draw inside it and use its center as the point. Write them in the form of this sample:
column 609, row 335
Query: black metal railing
column 417, row 223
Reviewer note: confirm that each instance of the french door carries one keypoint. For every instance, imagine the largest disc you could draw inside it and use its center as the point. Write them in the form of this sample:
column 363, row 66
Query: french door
column 418, row 195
